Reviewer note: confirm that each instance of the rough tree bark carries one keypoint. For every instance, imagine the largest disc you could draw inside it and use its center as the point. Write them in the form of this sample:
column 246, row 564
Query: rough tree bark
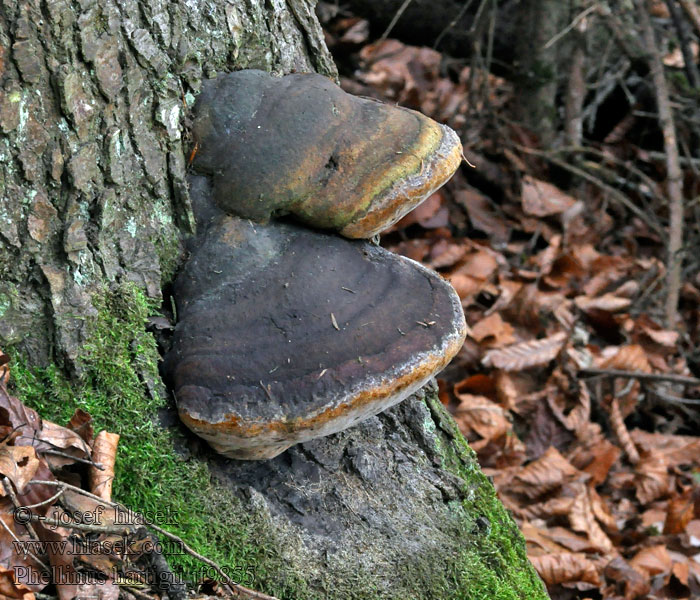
column 94, row 195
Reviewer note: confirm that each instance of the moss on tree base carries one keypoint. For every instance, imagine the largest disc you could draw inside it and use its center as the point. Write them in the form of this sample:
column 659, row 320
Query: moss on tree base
column 475, row 551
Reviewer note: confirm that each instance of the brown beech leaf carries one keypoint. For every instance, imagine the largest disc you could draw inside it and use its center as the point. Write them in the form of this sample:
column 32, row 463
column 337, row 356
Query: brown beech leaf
column 652, row 481
column 582, row 519
column 482, row 214
column 446, row 254
column 603, row 456
column 104, row 452
column 19, row 464
column 570, row 567
column 44, row 436
column 577, row 416
column 621, row 574
column 525, row 354
column 627, row 358
column 479, row 385
column 538, row 541
column 479, row 414
column 493, row 331
column 543, row 475
column 465, row 285
column 652, row 560
column 606, row 302
column 571, row 541
column 542, row 199
column 479, row 265
column 12, row 590
column 681, row 510
column 81, row 423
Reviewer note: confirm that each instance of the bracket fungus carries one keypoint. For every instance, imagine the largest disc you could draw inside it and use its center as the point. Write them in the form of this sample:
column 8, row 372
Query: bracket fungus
column 285, row 333
column 300, row 145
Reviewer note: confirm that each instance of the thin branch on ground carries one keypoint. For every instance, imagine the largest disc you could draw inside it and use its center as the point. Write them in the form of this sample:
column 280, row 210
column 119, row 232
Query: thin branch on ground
column 239, row 591
column 682, row 379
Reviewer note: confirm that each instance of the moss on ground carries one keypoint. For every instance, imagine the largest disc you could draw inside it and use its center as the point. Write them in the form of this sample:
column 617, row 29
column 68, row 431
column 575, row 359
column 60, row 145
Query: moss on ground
column 494, row 561
column 150, row 475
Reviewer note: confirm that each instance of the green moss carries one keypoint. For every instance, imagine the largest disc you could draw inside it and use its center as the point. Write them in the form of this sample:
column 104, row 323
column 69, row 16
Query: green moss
column 150, row 475
column 494, row 560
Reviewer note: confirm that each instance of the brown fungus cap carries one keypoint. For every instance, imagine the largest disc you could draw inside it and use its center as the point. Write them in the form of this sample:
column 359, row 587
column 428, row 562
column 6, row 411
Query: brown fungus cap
column 300, row 145
column 286, row 334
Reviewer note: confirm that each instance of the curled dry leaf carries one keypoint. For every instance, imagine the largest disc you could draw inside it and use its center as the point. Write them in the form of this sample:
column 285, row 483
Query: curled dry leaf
column 525, row 354
column 479, row 414
column 576, row 417
column 44, row 436
column 652, row 560
column 104, row 452
column 633, row 585
column 542, row 476
column 651, row 478
column 582, row 519
column 493, row 331
column 606, row 302
column 681, row 510
column 19, row 464
column 570, row 567
column 627, row 358
column 542, row 199
column 483, row 214
column 10, row 589
column 617, row 422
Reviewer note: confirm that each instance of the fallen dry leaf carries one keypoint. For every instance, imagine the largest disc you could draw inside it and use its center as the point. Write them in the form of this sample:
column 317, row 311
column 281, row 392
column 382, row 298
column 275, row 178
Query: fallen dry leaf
column 542, row 199
column 567, row 567
column 493, row 331
column 525, row 354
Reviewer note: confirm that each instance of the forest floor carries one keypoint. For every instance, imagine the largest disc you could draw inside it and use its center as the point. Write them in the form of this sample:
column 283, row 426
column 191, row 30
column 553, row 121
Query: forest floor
column 581, row 404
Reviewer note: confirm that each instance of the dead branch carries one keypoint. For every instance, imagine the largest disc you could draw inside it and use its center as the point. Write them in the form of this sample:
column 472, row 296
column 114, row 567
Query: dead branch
column 691, row 69
column 673, row 170
column 693, row 12
column 238, row 591
column 682, row 379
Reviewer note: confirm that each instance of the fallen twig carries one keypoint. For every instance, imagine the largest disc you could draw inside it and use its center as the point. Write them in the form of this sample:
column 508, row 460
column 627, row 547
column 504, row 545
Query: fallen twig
column 641, row 376
column 239, row 591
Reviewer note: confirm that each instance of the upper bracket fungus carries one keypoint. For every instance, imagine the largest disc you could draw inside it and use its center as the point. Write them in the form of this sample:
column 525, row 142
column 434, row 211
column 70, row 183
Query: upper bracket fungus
column 300, row 145
column 286, row 334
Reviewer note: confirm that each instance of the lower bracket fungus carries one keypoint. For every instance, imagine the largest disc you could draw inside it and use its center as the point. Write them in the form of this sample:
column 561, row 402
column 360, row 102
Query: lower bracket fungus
column 287, row 334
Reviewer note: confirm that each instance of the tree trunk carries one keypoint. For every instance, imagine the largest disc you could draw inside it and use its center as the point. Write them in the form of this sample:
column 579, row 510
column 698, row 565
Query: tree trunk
column 94, row 207
column 536, row 67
